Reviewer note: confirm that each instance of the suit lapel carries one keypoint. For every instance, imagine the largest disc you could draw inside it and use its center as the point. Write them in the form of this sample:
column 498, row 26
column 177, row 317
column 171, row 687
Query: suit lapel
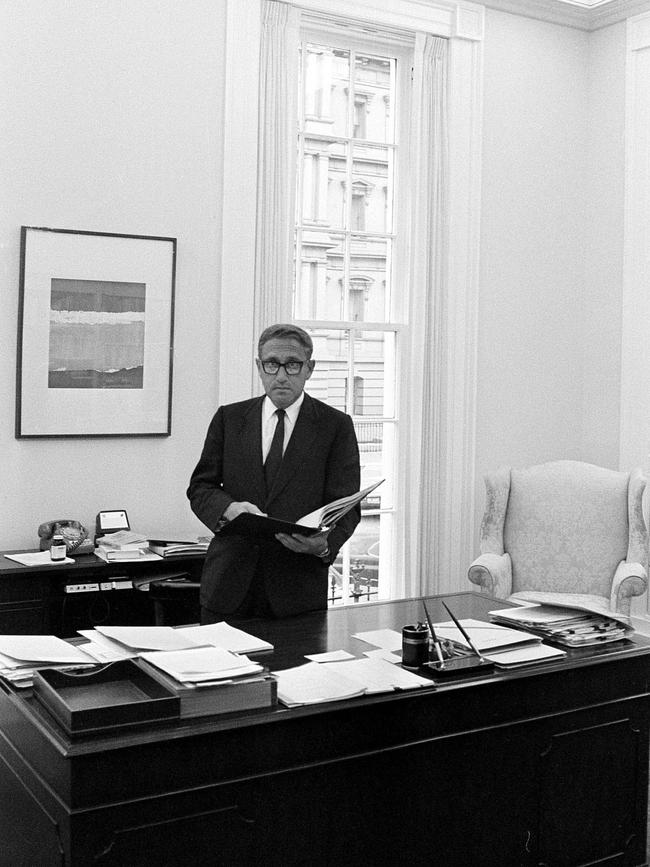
column 251, row 445
column 302, row 443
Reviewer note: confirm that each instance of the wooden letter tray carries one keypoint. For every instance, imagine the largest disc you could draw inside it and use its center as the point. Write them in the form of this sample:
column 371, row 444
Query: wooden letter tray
column 91, row 700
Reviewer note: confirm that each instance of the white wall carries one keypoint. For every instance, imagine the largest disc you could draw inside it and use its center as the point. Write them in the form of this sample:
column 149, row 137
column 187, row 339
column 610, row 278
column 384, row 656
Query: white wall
column 603, row 285
column 551, row 245
column 112, row 122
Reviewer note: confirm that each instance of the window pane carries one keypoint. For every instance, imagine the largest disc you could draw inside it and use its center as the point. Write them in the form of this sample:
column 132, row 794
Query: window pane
column 371, row 189
column 329, row 381
column 319, row 279
column 323, row 182
column 364, row 559
column 369, row 279
column 374, row 374
column 326, row 89
column 373, row 84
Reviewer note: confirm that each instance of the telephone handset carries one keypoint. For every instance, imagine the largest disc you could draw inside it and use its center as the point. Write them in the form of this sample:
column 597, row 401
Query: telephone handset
column 74, row 535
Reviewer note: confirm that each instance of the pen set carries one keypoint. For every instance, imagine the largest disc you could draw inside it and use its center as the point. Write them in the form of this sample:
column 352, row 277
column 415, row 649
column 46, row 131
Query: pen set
column 422, row 648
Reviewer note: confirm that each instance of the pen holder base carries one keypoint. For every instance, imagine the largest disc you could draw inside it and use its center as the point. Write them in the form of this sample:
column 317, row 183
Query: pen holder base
column 459, row 666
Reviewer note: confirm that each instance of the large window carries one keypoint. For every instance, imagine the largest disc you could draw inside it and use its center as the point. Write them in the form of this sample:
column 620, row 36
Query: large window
column 347, row 249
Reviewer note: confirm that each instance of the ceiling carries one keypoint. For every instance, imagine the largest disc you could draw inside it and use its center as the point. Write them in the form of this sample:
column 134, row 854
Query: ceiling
column 583, row 14
column 588, row 3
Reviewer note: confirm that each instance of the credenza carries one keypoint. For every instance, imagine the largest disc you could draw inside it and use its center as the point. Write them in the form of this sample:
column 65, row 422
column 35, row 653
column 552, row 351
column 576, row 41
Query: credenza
column 546, row 765
column 59, row 600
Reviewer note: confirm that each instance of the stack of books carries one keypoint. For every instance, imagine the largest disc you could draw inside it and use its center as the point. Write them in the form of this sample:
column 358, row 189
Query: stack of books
column 169, row 549
column 124, row 545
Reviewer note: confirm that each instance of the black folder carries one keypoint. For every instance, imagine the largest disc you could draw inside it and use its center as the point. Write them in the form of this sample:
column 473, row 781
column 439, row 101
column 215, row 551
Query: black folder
column 261, row 526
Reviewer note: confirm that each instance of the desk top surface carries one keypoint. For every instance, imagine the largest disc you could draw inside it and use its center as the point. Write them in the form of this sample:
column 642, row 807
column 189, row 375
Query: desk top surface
column 588, row 675
column 318, row 632
column 85, row 562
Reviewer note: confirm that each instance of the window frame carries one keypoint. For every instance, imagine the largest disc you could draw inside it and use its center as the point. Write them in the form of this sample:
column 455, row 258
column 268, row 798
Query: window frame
column 401, row 49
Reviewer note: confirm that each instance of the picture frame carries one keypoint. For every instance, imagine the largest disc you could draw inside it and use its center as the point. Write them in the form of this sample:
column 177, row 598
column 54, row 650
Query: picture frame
column 95, row 334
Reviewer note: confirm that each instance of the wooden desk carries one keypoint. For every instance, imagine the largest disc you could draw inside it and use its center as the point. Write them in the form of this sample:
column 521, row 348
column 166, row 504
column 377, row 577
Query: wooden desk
column 33, row 598
column 544, row 766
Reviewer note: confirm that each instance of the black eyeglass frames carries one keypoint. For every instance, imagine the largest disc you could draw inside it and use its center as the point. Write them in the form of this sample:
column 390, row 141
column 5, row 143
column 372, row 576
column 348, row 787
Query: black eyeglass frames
column 291, row 368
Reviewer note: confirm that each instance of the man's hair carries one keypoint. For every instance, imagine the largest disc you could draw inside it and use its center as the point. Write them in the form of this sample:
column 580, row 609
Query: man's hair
column 283, row 329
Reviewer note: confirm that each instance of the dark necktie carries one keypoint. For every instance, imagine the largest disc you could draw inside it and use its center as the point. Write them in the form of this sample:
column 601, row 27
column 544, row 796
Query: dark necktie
column 274, row 457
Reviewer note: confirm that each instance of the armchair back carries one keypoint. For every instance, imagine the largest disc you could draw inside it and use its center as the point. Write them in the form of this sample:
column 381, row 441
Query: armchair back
column 567, row 523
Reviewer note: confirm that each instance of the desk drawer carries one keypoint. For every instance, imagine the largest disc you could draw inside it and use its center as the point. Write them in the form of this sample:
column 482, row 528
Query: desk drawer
column 22, row 618
column 24, row 588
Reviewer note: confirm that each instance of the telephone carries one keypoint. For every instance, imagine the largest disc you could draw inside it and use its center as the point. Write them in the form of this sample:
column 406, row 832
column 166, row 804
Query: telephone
column 74, row 535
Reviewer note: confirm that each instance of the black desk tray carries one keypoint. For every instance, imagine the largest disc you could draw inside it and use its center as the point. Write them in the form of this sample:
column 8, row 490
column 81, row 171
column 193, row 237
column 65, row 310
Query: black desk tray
column 115, row 695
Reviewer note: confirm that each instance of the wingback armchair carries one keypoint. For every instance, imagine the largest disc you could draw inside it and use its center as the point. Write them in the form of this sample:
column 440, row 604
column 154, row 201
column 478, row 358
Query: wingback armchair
column 564, row 527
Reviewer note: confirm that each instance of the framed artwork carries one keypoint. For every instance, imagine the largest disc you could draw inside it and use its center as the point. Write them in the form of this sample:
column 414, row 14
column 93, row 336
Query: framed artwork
column 95, row 334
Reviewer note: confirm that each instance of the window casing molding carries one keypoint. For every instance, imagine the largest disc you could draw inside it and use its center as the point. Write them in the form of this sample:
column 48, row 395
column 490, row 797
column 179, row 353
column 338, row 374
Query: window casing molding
column 635, row 356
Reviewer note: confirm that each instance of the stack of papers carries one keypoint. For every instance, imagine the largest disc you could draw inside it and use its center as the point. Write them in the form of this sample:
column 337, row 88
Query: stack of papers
column 110, row 643
column 123, row 540
column 571, row 627
column 126, row 554
column 530, row 654
column 486, row 637
column 314, row 682
column 202, row 664
column 21, row 654
column 37, row 558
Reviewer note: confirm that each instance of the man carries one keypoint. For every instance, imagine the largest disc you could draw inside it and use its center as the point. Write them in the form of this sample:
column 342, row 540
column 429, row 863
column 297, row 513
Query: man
column 284, row 455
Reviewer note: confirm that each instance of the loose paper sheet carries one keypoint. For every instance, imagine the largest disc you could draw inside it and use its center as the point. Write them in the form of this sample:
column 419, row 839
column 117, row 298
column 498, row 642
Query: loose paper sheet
column 149, row 637
column 40, row 648
column 223, row 635
column 38, row 558
column 330, row 656
column 387, row 639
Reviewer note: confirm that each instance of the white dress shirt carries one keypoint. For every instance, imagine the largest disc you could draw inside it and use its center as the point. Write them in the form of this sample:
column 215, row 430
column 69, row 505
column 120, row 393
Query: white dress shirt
column 270, row 420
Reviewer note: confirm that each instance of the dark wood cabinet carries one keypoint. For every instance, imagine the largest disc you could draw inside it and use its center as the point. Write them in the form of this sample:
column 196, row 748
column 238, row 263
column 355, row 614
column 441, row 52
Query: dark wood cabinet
column 36, row 600
column 542, row 766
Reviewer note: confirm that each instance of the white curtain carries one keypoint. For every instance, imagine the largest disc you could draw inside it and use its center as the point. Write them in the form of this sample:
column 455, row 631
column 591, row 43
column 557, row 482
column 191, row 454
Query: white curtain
column 276, row 163
column 425, row 431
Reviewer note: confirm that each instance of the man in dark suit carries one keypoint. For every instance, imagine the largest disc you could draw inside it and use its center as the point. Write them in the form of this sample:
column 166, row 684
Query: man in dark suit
column 285, row 455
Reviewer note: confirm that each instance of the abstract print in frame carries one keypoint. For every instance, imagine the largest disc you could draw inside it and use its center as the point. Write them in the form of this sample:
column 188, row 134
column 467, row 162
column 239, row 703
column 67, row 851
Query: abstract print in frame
column 95, row 334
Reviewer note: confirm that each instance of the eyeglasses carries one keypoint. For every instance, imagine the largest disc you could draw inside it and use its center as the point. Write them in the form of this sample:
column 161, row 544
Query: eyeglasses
column 291, row 368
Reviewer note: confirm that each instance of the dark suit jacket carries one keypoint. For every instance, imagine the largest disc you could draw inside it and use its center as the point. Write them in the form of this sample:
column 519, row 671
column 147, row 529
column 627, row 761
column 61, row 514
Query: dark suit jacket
column 320, row 464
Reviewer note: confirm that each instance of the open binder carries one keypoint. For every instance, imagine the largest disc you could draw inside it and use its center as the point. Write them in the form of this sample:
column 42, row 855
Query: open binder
column 249, row 524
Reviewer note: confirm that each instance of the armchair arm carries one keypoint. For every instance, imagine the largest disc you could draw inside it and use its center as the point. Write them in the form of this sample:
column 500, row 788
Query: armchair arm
column 493, row 574
column 630, row 579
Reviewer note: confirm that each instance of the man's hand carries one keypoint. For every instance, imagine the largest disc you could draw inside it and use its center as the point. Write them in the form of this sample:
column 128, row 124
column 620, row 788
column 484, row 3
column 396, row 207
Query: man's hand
column 316, row 544
column 235, row 509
